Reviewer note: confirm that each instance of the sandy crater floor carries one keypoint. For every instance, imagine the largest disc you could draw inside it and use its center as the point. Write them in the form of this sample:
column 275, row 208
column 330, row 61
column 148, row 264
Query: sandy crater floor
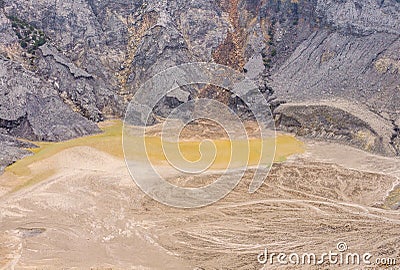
column 88, row 214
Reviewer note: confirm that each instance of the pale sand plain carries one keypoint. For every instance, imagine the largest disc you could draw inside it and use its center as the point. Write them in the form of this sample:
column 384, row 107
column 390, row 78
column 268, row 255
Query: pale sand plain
column 75, row 206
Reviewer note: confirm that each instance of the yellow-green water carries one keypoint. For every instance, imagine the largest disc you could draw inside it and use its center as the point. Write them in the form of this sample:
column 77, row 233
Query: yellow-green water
column 244, row 152
column 110, row 141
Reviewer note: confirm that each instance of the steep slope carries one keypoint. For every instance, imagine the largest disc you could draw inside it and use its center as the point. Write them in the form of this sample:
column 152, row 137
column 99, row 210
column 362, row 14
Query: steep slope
column 93, row 55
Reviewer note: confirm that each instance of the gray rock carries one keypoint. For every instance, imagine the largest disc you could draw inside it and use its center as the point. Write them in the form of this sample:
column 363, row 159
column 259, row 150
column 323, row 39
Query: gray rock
column 11, row 150
column 32, row 109
column 98, row 54
column 330, row 64
column 340, row 122
column 73, row 69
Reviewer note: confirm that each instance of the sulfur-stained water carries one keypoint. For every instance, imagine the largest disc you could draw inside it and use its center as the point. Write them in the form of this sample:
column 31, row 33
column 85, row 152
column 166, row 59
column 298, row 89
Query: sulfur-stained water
column 110, row 141
column 221, row 153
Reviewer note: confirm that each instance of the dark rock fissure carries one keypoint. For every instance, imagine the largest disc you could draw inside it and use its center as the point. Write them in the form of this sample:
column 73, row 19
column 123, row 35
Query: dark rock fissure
column 10, row 124
column 395, row 138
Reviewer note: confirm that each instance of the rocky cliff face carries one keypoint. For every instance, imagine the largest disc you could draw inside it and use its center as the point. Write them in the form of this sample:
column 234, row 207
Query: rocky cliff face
column 67, row 64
